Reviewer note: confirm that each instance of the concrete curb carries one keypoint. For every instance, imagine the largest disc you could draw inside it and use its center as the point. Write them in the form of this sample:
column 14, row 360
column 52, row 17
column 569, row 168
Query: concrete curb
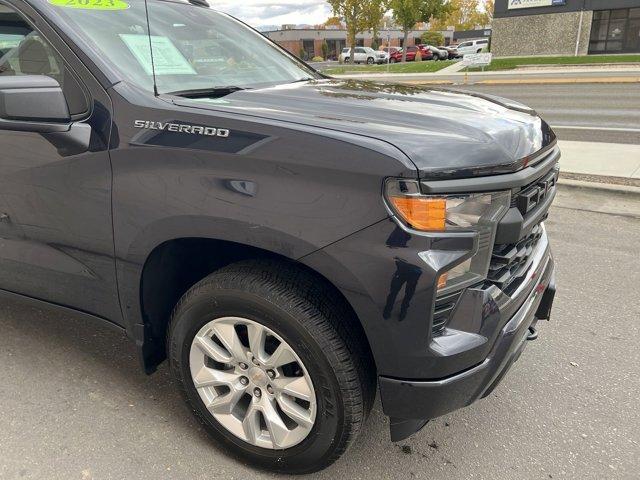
column 600, row 187
column 557, row 81
column 620, row 200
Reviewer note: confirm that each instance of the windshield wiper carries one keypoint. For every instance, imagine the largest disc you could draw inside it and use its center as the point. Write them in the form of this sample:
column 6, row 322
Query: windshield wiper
column 213, row 92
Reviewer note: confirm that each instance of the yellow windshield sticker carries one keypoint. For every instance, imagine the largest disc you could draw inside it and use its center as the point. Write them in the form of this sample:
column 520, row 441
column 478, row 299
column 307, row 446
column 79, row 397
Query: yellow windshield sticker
column 91, row 4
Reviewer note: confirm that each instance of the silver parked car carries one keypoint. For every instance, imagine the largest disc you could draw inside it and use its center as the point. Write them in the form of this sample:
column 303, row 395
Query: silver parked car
column 363, row 55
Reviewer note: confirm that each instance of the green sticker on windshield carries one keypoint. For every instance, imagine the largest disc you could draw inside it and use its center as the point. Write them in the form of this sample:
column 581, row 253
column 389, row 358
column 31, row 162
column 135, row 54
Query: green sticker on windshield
column 91, row 4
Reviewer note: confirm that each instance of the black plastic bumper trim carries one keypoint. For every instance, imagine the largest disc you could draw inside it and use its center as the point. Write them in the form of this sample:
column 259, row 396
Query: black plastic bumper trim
column 409, row 399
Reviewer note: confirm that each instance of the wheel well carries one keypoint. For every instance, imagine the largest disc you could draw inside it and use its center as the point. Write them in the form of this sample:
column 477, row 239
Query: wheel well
column 175, row 266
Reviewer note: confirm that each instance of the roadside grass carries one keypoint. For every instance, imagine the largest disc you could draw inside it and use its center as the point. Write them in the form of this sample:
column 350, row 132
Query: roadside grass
column 426, row 66
column 429, row 66
column 512, row 63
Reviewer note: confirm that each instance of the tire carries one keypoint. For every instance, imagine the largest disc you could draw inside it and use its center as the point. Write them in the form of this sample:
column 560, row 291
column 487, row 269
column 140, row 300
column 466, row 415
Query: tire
column 305, row 315
column 370, row 61
column 392, row 60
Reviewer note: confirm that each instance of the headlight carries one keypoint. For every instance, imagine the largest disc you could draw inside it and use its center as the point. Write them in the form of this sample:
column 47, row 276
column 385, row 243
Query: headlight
column 478, row 212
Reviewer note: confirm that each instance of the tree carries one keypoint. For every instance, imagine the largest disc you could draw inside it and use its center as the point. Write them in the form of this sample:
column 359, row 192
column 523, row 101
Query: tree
column 374, row 11
column 333, row 22
column 489, row 8
column 432, row 38
column 325, row 50
column 466, row 14
column 352, row 12
column 407, row 13
column 360, row 15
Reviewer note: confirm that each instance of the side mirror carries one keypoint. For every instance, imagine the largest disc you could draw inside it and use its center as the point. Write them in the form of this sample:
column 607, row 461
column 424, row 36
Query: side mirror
column 33, row 103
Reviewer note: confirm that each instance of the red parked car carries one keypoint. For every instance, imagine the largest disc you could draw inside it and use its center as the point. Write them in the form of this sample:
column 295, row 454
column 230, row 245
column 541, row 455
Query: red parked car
column 425, row 54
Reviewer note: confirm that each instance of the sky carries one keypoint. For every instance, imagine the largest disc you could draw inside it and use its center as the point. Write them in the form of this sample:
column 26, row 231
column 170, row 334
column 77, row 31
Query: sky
column 276, row 12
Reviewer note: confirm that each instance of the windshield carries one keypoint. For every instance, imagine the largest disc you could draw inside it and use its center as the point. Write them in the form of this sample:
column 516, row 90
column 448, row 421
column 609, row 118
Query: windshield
column 190, row 47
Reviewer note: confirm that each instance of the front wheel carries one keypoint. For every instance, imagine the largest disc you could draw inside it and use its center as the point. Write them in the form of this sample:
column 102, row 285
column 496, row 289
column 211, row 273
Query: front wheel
column 392, row 60
column 370, row 61
column 265, row 358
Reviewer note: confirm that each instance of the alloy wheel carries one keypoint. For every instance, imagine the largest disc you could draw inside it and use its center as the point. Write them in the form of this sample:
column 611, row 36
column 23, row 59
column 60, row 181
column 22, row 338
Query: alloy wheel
column 253, row 382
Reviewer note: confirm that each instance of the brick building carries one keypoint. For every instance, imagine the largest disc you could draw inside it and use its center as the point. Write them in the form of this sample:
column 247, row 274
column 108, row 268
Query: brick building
column 310, row 40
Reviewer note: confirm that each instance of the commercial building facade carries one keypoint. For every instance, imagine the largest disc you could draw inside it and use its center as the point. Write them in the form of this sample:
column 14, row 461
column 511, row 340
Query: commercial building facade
column 565, row 27
column 308, row 42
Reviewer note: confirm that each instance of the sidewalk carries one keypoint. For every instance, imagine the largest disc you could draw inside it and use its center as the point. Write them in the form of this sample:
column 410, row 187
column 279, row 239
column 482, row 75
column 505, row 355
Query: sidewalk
column 601, row 159
column 611, row 170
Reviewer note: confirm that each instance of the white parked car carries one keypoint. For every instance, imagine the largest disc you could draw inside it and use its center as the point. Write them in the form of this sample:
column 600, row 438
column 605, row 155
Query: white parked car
column 363, row 55
column 472, row 46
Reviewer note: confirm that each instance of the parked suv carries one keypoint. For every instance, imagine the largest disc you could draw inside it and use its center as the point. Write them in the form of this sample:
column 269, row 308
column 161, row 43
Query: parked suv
column 472, row 46
column 175, row 175
column 363, row 55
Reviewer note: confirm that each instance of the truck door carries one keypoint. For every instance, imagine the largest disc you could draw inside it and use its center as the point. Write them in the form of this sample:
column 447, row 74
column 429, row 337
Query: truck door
column 56, row 237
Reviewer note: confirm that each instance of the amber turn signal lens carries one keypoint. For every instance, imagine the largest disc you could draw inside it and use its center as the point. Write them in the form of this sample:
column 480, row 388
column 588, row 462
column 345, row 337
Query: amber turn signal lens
column 422, row 213
column 442, row 281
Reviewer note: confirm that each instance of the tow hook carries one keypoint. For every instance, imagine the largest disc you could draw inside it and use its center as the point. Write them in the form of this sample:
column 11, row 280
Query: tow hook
column 533, row 334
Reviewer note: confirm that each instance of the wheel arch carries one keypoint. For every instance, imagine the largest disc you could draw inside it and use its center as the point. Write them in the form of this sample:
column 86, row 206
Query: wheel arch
column 176, row 264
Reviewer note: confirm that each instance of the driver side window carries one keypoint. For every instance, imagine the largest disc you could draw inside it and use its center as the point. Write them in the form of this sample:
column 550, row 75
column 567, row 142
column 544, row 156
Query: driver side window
column 23, row 51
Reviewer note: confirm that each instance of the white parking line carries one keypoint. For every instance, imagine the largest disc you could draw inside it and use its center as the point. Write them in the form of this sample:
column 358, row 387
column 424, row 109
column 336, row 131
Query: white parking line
column 599, row 129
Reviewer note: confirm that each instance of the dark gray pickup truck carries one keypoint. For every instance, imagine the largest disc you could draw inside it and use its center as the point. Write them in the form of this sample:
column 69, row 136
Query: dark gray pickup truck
column 292, row 244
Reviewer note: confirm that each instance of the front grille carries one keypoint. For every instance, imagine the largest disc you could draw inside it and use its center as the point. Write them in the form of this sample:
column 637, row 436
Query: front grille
column 510, row 262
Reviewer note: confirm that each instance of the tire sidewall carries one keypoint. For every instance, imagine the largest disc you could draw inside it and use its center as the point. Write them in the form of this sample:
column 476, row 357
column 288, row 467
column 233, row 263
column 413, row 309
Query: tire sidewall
column 211, row 303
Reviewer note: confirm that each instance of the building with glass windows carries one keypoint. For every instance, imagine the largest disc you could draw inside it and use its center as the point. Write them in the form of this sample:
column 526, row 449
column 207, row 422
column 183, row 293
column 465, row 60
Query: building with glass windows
column 565, row 27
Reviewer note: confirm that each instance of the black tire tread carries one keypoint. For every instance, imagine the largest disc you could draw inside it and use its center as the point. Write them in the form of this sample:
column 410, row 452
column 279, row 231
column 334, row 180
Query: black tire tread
column 322, row 314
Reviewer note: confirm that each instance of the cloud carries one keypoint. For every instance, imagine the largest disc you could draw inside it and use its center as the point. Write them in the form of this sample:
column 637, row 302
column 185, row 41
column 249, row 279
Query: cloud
column 264, row 12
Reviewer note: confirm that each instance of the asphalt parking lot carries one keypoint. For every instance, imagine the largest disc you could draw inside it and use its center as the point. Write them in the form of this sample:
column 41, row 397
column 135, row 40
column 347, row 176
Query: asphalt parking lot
column 74, row 405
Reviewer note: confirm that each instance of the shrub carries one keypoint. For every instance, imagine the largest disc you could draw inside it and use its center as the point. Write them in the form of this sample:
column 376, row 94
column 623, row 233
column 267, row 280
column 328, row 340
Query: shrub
column 432, row 38
column 317, row 59
column 325, row 49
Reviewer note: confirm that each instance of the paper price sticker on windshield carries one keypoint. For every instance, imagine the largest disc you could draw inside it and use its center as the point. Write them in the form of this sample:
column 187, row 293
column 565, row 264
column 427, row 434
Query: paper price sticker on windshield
column 91, row 4
column 167, row 59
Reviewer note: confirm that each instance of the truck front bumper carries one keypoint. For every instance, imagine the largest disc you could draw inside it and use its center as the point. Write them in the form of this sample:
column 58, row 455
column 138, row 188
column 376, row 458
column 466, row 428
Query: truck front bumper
column 411, row 403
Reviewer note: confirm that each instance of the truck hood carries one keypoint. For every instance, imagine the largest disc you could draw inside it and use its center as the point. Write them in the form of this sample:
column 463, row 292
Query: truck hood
column 442, row 131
